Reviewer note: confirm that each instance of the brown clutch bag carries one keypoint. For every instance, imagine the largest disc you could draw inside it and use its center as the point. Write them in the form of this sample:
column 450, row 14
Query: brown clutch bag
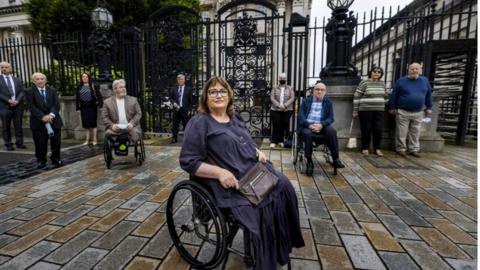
column 257, row 183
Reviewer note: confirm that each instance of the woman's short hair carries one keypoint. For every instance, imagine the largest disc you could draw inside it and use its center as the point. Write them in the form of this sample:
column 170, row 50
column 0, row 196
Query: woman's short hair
column 375, row 68
column 203, row 104
column 117, row 82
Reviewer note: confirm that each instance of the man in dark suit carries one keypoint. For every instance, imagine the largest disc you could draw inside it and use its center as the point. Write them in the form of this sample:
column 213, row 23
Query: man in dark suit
column 181, row 98
column 12, row 98
column 45, row 120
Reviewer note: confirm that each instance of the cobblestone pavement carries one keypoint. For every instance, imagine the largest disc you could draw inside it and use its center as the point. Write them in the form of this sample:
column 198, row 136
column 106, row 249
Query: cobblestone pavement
column 378, row 213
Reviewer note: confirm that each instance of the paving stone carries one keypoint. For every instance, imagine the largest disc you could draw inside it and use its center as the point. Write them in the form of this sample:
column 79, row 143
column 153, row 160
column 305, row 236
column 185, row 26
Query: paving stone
column 333, row 258
column 110, row 220
column 35, row 212
column 397, row 227
column 410, row 217
column 440, row 243
column 316, row 209
column 12, row 204
column 106, row 208
column 9, row 224
column 324, row 232
column 86, row 260
column 442, row 195
column 308, row 252
column 361, row 252
column 423, row 255
column 99, row 200
column 325, row 186
column 161, row 196
column 122, row 254
column 39, row 201
column 422, row 209
column 173, row 260
column 462, row 264
column 99, row 190
column 362, row 212
column 334, row 203
column 345, row 223
column 12, row 213
column 460, row 220
column 398, row 261
column 72, row 215
column 465, row 209
column 44, row 191
column 6, row 239
column 73, row 194
column 73, row 229
column 452, row 231
column 471, row 250
column 142, row 212
column 389, row 198
column 45, row 266
column 151, row 225
column 28, row 240
column 304, row 264
column 159, row 245
column 136, row 201
column 401, row 193
column 142, row 263
column 34, row 224
column 348, row 195
column 127, row 194
column 30, row 256
column 432, row 201
column 380, row 237
column 70, row 249
column 110, row 239
column 303, row 218
column 311, row 193
column 67, row 207
column 4, row 259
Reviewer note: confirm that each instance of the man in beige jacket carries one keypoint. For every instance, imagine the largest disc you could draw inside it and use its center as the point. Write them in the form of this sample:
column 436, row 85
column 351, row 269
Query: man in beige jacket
column 122, row 113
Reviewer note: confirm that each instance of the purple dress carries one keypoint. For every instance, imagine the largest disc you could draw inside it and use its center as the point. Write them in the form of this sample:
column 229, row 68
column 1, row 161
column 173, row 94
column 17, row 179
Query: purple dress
column 274, row 224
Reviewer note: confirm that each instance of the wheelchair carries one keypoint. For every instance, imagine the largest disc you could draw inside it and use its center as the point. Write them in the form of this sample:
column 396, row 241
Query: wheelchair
column 118, row 145
column 298, row 151
column 203, row 233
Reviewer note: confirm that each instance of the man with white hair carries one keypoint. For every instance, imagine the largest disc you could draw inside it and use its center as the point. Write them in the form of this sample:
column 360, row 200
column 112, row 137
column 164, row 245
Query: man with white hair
column 45, row 120
column 181, row 98
column 12, row 98
column 411, row 98
column 122, row 113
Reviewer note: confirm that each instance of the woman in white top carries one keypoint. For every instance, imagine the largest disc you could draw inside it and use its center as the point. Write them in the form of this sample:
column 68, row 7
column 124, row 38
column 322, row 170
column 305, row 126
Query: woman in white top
column 282, row 97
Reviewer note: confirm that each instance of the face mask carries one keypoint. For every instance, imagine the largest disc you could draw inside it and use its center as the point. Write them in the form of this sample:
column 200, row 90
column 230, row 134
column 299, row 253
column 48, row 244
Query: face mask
column 283, row 81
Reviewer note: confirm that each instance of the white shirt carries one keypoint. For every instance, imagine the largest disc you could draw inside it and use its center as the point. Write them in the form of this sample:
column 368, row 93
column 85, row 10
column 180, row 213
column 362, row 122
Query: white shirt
column 122, row 116
column 282, row 95
column 9, row 77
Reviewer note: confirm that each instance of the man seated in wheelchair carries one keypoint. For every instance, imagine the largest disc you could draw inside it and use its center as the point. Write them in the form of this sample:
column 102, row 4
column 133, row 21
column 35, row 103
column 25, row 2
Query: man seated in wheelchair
column 217, row 134
column 121, row 116
column 314, row 122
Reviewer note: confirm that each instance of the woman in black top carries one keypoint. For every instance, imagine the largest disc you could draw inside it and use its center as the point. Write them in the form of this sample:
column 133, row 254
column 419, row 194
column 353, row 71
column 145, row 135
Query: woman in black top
column 218, row 132
column 88, row 100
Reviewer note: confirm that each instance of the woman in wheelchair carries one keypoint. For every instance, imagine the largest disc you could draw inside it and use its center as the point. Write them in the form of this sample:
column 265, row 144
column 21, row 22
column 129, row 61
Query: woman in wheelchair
column 216, row 133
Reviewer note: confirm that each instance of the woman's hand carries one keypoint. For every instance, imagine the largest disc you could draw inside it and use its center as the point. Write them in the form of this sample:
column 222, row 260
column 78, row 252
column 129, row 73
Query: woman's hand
column 227, row 179
column 261, row 156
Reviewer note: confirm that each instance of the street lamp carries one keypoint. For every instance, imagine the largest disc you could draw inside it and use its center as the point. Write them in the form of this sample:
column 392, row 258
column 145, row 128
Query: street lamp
column 339, row 32
column 102, row 20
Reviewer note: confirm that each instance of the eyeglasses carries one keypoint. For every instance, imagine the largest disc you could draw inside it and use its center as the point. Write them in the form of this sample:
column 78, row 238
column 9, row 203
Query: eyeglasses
column 215, row 92
column 377, row 71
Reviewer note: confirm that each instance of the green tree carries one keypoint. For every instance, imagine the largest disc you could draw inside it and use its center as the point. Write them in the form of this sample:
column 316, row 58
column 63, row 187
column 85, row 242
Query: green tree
column 64, row 16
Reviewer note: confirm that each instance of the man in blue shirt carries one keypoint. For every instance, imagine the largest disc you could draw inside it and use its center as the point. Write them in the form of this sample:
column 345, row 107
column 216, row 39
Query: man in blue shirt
column 411, row 98
column 314, row 120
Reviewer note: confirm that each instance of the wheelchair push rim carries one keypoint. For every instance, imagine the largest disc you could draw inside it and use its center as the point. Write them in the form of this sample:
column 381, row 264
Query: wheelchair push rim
column 200, row 237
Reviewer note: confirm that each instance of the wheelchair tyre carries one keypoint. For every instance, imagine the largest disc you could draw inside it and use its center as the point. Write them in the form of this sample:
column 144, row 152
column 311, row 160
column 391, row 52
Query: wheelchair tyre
column 107, row 152
column 205, row 215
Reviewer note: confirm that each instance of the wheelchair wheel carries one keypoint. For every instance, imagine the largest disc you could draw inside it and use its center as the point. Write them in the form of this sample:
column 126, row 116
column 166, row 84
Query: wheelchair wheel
column 107, row 152
column 196, row 225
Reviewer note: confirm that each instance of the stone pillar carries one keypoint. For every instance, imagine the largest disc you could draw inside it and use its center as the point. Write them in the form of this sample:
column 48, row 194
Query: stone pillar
column 297, row 7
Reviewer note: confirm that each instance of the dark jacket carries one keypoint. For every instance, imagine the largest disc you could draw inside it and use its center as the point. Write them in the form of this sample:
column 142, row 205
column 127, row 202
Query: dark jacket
column 97, row 98
column 5, row 93
column 327, row 112
column 187, row 97
column 39, row 108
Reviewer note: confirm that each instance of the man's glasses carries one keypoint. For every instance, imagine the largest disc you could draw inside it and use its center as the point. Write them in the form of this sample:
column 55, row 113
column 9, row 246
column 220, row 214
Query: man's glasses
column 215, row 92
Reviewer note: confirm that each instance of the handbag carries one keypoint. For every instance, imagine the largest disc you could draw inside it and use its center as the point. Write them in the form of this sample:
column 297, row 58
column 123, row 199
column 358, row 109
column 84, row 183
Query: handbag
column 256, row 184
column 352, row 141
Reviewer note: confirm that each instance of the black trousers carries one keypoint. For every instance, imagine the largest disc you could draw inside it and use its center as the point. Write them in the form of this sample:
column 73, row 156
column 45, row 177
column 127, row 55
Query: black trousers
column 14, row 114
column 371, row 126
column 327, row 135
column 40, row 138
column 280, row 125
column 179, row 116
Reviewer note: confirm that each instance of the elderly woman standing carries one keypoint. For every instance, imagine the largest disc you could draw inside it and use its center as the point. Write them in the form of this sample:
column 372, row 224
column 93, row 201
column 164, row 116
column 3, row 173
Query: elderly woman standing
column 88, row 100
column 369, row 105
column 282, row 97
column 218, row 133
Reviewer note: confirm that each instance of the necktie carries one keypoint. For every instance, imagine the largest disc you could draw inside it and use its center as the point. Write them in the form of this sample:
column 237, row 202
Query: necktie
column 42, row 91
column 9, row 85
column 180, row 95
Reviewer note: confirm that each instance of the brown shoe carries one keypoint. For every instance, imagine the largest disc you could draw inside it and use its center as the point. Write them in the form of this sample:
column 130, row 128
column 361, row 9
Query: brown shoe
column 415, row 154
column 365, row 152
column 379, row 152
column 402, row 153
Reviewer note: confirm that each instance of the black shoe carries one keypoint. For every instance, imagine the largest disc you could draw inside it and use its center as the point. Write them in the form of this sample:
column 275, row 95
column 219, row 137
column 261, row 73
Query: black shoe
column 338, row 164
column 309, row 170
column 173, row 141
column 21, row 146
column 41, row 165
column 9, row 148
column 57, row 163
